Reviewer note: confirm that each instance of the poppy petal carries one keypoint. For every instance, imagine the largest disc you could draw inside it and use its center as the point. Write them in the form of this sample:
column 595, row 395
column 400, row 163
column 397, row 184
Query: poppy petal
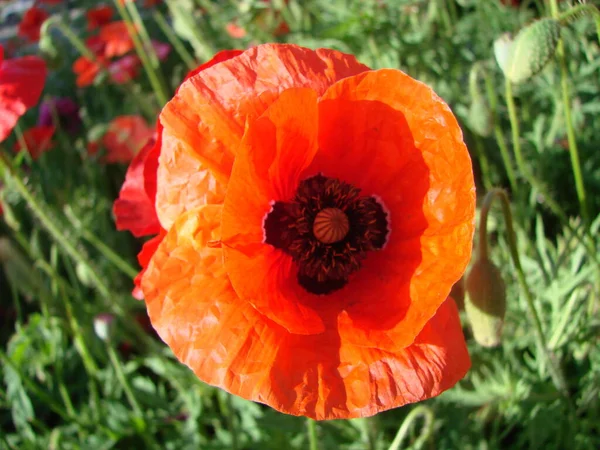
column 134, row 209
column 21, row 84
column 208, row 114
column 400, row 141
column 276, row 148
column 229, row 344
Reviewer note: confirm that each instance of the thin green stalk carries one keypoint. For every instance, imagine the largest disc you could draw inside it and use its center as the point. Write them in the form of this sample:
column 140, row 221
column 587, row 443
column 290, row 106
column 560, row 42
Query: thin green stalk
column 313, row 441
column 177, row 44
column 426, row 433
column 508, row 165
column 514, row 126
column 141, row 425
column 106, row 251
column 555, row 370
column 86, row 52
column 483, row 163
column 573, row 150
column 52, row 228
column 145, row 37
column 152, row 74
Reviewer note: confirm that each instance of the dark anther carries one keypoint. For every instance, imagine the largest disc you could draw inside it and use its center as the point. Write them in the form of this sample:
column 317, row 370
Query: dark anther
column 327, row 228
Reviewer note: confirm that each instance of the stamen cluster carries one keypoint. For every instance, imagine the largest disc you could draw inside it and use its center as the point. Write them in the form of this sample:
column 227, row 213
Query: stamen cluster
column 324, row 267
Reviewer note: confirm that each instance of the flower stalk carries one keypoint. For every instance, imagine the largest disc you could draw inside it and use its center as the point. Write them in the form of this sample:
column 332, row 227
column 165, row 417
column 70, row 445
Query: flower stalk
column 151, row 72
column 556, row 374
column 420, row 411
column 573, row 149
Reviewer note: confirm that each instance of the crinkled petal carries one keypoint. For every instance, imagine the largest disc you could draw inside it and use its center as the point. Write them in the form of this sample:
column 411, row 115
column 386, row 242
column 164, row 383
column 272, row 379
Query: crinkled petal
column 274, row 152
column 400, row 142
column 207, row 116
column 229, row 344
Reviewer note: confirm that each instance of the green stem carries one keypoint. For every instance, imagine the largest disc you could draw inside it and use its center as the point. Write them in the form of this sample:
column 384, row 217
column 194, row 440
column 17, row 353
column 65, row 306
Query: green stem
column 140, row 422
column 313, row 441
column 106, row 251
column 145, row 37
column 52, row 228
column 573, row 150
column 152, row 74
column 508, row 165
column 483, row 163
column 177, row 44
column 428, row 418
column 577, row 12
column 555, row 371
column 514, row 126
column 86, row 52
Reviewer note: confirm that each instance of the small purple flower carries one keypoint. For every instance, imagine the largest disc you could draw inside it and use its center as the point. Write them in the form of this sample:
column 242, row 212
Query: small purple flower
column 65, row 109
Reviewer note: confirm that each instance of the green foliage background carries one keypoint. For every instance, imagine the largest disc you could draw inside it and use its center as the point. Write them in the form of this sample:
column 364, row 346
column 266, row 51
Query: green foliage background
column 62, row 387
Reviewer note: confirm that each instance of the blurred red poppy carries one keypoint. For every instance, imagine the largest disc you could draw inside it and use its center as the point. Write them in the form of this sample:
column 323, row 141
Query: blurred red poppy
column 86, row 70
column 125, row 137
column 31, row 23
column 235, row 31
column 37, row 140
column 21, row 84
column 116, row 38
column 313, row 233
column 134, row 210
column 98, row 16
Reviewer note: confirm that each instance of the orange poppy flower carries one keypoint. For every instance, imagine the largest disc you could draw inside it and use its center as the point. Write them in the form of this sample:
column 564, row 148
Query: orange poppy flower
column 37, row 140
column 31, row 23
column 125, row 137
column 21, row 84
column 98, row 16
column 317, row 214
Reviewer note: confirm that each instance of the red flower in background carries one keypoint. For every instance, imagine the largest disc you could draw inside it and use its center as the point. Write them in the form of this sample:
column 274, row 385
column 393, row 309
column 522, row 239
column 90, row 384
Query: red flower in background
column 21, row 84
column 125, row 137
column 86, row 71
column 112, row 42
column 99, row 16
column 32, row 22
column 116, row 38
column 37, row 140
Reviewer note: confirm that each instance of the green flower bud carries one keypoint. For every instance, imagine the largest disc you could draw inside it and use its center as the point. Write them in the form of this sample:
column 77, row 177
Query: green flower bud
column 485, row 303
column 480, row 117
column 530, row 51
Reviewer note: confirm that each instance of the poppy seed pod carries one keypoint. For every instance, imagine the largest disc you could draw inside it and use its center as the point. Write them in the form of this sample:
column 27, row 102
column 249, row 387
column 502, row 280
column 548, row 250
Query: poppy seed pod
column 531, row 50
column 485, row 302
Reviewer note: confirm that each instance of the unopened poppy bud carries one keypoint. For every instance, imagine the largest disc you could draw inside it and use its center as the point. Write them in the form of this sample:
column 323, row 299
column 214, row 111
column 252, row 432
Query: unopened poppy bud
column 480, row 117
column 531, row 50
column 485, row 303
column 103, row 326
